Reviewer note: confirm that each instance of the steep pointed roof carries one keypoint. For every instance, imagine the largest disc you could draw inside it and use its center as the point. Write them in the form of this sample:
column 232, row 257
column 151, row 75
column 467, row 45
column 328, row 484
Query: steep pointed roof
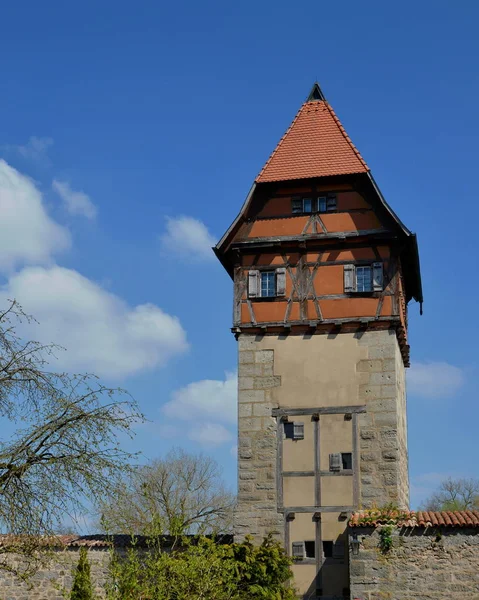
column 315, row 145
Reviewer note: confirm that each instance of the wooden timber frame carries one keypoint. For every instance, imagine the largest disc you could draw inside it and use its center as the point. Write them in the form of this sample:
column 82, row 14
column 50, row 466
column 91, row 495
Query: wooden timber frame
column 303, row 291
column 289, row 512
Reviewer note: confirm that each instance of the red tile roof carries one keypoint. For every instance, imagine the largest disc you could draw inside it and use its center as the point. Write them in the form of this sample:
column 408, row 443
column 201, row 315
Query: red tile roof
column 315, row 145
column 458, row 518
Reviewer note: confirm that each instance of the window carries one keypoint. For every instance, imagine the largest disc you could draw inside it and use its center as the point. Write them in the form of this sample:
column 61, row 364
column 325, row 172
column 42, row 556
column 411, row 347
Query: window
column 328, row 549
column 347, row 460
column 320, row 204
column 340, row 461
column 310, row 549
column 294, row 431
column 326, row 203
column 333, row 549
column 268, row 284
column 298, row 549
column 307, row 205
column 364, row 278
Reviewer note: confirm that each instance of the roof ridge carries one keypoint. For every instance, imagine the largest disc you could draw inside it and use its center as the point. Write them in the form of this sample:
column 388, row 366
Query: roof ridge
column 345, row 134
column 278, row 145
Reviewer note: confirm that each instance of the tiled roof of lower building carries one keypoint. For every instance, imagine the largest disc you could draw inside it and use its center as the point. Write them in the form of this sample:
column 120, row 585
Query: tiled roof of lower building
column 98, row 541
column 420, row 518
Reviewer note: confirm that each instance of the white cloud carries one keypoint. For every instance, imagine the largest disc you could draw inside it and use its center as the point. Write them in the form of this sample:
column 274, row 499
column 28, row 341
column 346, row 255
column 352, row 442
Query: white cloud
column 434, row 379
column 101, row 333
column 36, row 149
column 27, row 234
column 208, row 398
column 188, row 239
column 210, row 434
column 76, row 203
column 234, row 451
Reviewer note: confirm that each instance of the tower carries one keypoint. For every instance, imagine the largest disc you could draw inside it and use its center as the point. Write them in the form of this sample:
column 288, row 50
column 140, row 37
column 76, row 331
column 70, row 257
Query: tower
column 323, row 271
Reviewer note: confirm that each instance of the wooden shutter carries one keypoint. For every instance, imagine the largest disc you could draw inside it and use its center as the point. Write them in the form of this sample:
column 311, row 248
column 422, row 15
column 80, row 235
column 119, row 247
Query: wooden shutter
column 254, row 289
column 298, row 549
column 338, row 549
column 377, row 276
column 296, row 205
column 349, row 278
column 298, row 431
column 281, row 281
column 335, row 462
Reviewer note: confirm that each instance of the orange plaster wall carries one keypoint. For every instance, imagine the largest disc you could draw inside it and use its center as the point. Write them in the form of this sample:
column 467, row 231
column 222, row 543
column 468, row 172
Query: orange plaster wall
column 273, row 227
column 276, row 207
column 329, row 280
column 335, row 222
column 349, row 200
column 353, row 254
column 269, row 311
column 349, row 307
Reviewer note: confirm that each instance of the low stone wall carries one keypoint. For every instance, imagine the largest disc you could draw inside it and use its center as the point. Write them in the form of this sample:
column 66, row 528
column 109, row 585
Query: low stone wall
column 433, row 563
column 56, row 577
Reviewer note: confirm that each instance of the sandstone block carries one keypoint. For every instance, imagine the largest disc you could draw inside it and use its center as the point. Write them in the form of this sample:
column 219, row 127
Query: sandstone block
column 264, row 356
column 245, row 356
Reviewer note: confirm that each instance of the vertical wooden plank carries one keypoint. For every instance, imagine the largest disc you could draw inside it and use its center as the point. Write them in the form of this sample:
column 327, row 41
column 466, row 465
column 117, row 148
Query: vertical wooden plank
column 287, row 536
column 279, row 463
column 317, row 461
column 319, row 554
column 356, row 457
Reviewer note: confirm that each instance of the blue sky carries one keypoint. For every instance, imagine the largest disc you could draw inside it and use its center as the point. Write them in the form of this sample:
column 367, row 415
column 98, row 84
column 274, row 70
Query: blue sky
column 126, row 127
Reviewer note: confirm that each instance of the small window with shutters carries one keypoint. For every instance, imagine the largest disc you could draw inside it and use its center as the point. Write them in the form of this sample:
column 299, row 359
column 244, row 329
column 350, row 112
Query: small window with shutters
column 267, row 284
column 298, row 550
column 294, row 431
column 363, row 278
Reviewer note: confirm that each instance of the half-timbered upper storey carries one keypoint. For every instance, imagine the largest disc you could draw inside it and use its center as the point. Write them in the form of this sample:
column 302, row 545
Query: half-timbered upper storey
column 316, row 247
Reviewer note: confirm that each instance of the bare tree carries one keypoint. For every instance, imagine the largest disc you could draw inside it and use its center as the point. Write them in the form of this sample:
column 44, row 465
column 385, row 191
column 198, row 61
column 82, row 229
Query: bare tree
column 182, row 493
column 60, row 436
column 455, row 494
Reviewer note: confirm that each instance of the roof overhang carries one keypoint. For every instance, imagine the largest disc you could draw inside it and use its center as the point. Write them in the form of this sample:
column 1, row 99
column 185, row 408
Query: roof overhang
column 366, row 184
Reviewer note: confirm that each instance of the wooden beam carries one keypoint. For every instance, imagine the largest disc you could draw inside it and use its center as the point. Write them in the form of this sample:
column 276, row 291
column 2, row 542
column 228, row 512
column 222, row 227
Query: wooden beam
column 320, row 509
column 356, row 467
column 279, row 464
column 263, row 241
column 343, row 473
column 298, row 473
column 329, row 410
column 317, row 462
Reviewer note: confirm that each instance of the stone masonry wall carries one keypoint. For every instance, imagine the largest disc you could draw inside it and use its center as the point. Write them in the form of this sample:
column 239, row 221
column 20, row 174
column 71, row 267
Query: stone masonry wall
column 431, row 564
column 256, row 512
column 51, row 581
column 383, row 428
column 374, row 360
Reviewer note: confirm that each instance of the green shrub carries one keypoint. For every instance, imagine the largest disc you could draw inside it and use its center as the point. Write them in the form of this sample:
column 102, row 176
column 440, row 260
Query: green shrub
column 203, row 569
column 82, row 589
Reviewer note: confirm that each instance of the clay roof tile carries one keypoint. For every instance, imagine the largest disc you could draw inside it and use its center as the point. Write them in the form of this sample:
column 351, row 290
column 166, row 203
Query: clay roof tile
column 315, row 145
column 368, row 518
